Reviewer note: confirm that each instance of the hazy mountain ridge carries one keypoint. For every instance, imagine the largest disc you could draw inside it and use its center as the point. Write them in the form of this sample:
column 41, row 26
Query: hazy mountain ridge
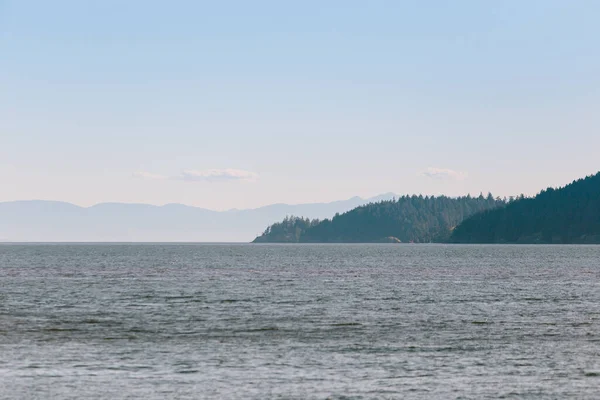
column 56, row 221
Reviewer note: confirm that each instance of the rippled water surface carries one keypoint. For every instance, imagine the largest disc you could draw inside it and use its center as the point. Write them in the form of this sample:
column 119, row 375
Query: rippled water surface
column 299, row 321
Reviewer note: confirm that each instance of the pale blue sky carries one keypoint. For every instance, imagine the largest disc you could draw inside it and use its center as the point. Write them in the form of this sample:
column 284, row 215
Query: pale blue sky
column 244, row 103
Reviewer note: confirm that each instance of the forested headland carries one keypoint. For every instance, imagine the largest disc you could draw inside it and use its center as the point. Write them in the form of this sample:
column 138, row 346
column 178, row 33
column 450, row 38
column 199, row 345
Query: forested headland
column 570, row 214
column 418, row 219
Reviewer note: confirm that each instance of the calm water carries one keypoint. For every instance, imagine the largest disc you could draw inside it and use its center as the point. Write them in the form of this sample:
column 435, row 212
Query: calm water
column 314, row 321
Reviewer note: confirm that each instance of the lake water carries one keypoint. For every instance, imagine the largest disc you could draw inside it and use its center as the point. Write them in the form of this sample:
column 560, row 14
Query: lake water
column 299, row 321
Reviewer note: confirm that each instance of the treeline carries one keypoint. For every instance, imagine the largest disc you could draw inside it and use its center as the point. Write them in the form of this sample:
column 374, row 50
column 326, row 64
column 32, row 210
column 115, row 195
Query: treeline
column 570, row 214
column 418, row 219
column 287, row 231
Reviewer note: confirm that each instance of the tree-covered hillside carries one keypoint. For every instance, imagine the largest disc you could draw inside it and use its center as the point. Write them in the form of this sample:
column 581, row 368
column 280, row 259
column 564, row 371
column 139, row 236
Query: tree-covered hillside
column 287, row 231
column 566, row 215
column 410, row 219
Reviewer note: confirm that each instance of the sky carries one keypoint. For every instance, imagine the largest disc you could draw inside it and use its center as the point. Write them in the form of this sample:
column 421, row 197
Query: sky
column 238, row 104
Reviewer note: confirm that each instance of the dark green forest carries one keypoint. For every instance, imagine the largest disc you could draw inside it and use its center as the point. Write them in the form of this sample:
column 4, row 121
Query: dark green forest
column 570, row 214
column 418, row 219
column 287, row 231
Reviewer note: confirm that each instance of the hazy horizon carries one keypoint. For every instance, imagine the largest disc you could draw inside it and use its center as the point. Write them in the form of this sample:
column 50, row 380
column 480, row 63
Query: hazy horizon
column 50, row 221
column 190, row 205
column 365, row 198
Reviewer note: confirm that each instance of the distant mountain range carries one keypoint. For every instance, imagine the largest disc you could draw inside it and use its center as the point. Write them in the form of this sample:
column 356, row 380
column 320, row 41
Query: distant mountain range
column 54, row 221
